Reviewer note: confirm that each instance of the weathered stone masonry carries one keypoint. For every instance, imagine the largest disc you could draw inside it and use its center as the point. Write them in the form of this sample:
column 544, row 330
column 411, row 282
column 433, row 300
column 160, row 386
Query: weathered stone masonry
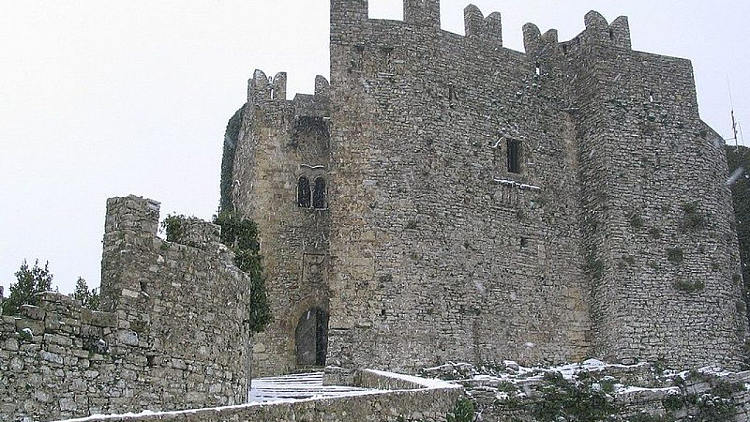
column 173, row 333
column 280, row 143
column 611, row 236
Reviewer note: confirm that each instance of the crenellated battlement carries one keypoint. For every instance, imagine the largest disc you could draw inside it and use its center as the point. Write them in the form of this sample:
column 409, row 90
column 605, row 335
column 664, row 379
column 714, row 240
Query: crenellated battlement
column 262, row 89
column 424, row 13
column 489, row 29
column 598, row 32
column 346, row 16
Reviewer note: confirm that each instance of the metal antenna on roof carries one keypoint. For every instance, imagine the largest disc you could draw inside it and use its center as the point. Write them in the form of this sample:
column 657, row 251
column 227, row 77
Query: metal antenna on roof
column 735, row 124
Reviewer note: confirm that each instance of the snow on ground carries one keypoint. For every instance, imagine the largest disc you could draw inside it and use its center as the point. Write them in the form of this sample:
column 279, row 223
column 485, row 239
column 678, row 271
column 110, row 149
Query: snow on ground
column 429, row 383
column 298, row 387
column 632, row 389
column 513, row 372
column 265, row 391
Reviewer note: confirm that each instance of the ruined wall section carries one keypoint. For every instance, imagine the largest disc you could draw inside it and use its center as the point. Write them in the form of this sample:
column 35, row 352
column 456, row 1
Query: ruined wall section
column 440, row 252
column 173, row 335
column 187, row 300
column 280, row 141
column 658, row 243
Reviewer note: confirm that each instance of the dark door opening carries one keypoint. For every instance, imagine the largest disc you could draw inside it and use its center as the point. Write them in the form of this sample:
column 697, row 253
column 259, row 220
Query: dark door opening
column 311, row 338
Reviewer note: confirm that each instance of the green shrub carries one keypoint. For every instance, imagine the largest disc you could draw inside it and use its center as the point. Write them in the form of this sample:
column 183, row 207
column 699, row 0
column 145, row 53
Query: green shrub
column 636, row 221
column 241, row 236
column 89, row 299
column 608, row 385
column 714, row 409
column 675, row 255
column 594, row 267
column 693, row 219
column 30, row 282
column 464, row 411
column 174, row 226
column 26, row 334
column 572, row 401
column 689, row 286
column 726, row 389
column 673, row 402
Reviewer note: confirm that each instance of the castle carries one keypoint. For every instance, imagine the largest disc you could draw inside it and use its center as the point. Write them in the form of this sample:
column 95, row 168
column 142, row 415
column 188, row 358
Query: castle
column 443, row 199
column 446, row 198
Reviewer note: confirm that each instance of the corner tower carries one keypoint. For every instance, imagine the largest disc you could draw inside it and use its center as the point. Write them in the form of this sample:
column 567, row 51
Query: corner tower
column 657, row 233
column 279, row 178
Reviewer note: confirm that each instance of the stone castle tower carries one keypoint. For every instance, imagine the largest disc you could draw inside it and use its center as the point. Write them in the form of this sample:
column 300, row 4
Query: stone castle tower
column 446, row 198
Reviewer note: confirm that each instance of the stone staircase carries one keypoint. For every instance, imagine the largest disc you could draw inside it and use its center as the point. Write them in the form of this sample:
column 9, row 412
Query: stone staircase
column 300, row 387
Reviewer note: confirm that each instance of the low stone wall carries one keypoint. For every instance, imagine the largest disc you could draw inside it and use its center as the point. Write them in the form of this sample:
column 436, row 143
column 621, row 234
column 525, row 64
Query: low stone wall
column 174, row 334
column 58, row 359
column 641, row 392
column 425, row 404
column 367, row 378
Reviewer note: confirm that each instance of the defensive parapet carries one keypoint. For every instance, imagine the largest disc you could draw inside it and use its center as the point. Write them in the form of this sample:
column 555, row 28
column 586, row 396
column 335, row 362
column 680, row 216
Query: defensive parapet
column 173, row 333
column 425, row 13
column 488, row 30
column 597, row 32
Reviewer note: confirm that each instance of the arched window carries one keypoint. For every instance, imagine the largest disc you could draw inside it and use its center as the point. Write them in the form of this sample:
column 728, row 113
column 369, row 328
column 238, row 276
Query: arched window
column 303, row 192
column 319, row 194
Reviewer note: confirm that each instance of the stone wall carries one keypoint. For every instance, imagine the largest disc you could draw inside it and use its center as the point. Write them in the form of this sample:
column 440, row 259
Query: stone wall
column 279, row 142
column 657, row 221
column 420, row 404
column 441, row 253
column 172, row 333
column 613, row 238
column 639, row 392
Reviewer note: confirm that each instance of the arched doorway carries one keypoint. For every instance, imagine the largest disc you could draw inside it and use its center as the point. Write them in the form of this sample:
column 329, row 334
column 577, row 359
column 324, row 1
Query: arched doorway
column 311, row 338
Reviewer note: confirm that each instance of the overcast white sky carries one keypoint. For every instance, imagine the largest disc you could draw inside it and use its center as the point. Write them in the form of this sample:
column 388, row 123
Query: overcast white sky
column 107, row 98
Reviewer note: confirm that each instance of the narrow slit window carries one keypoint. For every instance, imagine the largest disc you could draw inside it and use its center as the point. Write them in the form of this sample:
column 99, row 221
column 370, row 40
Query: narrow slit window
column 514, row 156
column 452, row 97
column 303, row 192
column 319, row 194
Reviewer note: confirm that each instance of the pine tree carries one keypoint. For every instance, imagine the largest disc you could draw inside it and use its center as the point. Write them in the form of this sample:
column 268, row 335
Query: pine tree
column 88, row 298
column 30, row 283
column 81, row 293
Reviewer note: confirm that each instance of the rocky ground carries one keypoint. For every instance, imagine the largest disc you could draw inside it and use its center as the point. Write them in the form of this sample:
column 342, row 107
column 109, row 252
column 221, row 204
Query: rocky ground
column 596, row 391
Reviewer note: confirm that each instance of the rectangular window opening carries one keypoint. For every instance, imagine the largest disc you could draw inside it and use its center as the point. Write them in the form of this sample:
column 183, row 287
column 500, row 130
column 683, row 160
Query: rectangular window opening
column 514, row 156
